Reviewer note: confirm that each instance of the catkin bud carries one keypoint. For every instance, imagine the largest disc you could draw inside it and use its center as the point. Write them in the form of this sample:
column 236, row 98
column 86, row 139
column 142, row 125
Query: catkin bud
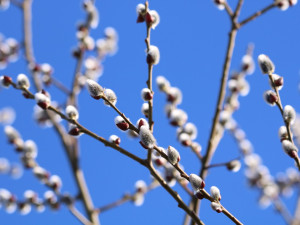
column 215, row 193
column 42, row 100
column 72, row 112
column 270, row 97
column 121, row 123
column 278, row 81
column 111, row 97
column 234, row 165
column 248, row 65
column 196, row 182
column 266, row 65
column 93, row 15
column 289, row 114
column 290, row 148
column 152, row 19
column 41, row 173
column 178, row 117
column 162, row 83
column 30, row 149
column 140, row 186
column 95, row 89
column 174, row 95
column 142, row 122
column 11, row 133
column 114, row 139
column 5, row 81
column 141, row 12
column 146, row 137
column 220, row 4
column 153, row 55
column 190, row 129
column 184, row 139
column 282, row 133
column 146, row 94
column 173, row 155
column 55, row 182
column 145, row 109
column 282, row 4
column 216, row 207
column 23, row 81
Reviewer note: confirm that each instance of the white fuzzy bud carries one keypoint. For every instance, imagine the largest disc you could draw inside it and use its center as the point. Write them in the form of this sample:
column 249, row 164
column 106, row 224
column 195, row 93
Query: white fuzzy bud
column 216, row 207
column 93, row 14
column 178, row 117
column 196, row 182
column 278, row 81
column 248, row 65
column 162, row 83
column 121, row 123
column 173, row 155
column 145, row 109
column 11, row 133
column 155, row 19
column 153, row 55
column 4, row 165
column 289, row 114
column 147, row 137
column 289, row 148
column 196, row 147
column 266, row 65
column 146, row 94
column 30, row 149
column 140, row 186
column 42, row 100
column 282, row 4
column 41, row 173
column 114, row 139
column 72, row 112
column 55, row 182
column 142, row 122
column 24, row 208
column 215, row 193
column 95, row 89
column 190, row 129
column 270, row 97
column 23, row 81
column 234, row 165
column 220, row 4
column 174, row 95
column 184, row 139
column 282, row 133
column 111, row 97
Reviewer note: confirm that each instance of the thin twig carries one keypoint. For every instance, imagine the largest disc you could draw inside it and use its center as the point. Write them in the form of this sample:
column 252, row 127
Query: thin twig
column 282, row 210
column 79, row 216
column 257, row 14
column 60, row 85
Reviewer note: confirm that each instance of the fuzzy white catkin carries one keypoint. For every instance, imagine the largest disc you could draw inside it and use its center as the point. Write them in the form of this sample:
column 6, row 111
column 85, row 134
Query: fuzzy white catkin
column 162, row 83
column 23, row 81
column 95, row 89
column 55, row 180
column 175, row 95
column 196, row 182
column 155, row 17
column 282, row 132
column 153, row 54
column 178, row 117
column 30, row 149
column 288, row 147
column 216, row 207
column 140, row 9
column 215, row 193
column 234, row 165
column 147, row 137
column 266, row 65
column 173, row 155
column 289, row 114
column 72, row 112
column 111, row 97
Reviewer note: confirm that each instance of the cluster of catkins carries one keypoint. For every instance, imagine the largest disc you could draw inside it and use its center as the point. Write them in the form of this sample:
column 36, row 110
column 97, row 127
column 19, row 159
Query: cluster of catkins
column 186, row 131
column 28, row 152
column 9, row 51
column 272, row 98
column 10, row 203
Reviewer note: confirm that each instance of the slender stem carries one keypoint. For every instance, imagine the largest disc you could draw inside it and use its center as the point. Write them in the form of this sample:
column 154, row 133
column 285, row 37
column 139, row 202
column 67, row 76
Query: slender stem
column 258, row 13
column 228, row 9
column 60, row 86
column 287, row 124
column 296, row 220
column 238, row 9
column 79, row 216
column 282, row 210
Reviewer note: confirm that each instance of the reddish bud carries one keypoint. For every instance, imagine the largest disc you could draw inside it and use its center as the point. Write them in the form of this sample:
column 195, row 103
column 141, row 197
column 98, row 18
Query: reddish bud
column 74, row 131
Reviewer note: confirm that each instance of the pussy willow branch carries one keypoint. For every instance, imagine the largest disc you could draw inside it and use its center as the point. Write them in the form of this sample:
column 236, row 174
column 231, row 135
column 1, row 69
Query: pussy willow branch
column 282, row 210
column 257, row 14
column 214, row 139
column 77, row 172
column 126, row 197
column 150, row 70
column 176, row 166
column 79, row 216
column 288, row 127
column 296, row 220
column 60, row 85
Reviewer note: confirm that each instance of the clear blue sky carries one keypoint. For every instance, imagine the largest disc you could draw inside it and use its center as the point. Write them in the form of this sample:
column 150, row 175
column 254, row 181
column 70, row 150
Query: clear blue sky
column 192, row 38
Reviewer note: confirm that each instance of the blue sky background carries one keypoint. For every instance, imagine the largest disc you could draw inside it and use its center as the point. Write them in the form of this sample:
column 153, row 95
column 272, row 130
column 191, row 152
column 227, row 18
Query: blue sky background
column 192, row 38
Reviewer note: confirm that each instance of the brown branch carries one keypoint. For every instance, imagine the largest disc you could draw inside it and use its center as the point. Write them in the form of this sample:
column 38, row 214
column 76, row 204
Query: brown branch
column 69, row 149
column 287, row 125
column 60, row 86
column 257, row 14
column 282, row 210
column 79, row 216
